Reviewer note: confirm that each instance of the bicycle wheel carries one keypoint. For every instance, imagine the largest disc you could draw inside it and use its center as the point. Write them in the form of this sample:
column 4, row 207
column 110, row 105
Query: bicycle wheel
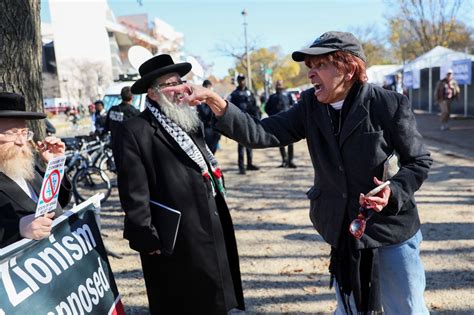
column 90, row 181
column 107, row 164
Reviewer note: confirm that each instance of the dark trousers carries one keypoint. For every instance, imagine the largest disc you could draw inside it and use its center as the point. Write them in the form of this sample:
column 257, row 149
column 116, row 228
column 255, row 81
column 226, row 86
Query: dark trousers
column 240, row 150
column 284, row 157
column 212, row 138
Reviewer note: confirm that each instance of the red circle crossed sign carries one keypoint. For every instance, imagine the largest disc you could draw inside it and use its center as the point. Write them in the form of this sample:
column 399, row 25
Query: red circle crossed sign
column 49, row 182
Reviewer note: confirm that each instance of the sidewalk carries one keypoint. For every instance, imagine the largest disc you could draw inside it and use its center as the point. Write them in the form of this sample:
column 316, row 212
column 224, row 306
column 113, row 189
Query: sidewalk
column 460, row 134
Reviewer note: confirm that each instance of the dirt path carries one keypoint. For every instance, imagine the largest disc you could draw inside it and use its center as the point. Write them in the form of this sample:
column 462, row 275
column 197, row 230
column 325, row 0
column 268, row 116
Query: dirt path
column 284, row 261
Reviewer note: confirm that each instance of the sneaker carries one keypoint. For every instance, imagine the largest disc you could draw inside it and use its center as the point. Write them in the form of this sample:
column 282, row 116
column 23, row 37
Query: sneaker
column 252, row 167
column 444, row 127
column 283, row 164
column 241, row 171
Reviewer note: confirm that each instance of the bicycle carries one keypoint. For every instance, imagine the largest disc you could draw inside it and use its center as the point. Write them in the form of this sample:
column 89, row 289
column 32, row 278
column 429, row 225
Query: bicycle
column 87, row 179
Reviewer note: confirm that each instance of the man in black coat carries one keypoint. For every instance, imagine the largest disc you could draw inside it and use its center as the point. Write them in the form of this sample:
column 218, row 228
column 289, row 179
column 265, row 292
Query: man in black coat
column 163, row 157
column 20, row 179
column 352, row 128
column 277, row 103
column 244, row 99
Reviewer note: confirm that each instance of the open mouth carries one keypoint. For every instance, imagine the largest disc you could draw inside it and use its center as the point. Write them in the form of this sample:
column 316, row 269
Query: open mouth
column 317, row 87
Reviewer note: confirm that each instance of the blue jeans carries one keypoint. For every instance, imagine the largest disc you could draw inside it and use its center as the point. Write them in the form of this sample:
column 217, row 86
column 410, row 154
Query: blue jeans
column 402, row 279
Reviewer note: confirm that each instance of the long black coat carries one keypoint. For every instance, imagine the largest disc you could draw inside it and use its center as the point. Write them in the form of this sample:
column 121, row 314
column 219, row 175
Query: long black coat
column 15, row 204
column 203, row 275
column 378, row 123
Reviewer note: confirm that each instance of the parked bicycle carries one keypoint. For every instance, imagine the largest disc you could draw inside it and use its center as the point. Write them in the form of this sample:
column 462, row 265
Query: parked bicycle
column 84, row 155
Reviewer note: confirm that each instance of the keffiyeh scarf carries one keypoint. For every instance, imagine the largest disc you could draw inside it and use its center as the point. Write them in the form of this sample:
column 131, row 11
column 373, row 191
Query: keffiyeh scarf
column 191, row 150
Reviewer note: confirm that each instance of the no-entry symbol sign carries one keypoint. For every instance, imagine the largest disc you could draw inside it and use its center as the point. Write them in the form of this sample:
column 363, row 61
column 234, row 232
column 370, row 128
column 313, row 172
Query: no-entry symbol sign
column 48, row 197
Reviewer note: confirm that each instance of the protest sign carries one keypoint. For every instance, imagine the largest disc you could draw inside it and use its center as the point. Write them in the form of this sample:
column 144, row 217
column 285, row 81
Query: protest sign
column 48, row 198
column 66, row 273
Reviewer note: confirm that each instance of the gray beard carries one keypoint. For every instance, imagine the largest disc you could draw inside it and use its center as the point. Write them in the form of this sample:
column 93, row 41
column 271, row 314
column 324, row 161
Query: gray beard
column 183, row 115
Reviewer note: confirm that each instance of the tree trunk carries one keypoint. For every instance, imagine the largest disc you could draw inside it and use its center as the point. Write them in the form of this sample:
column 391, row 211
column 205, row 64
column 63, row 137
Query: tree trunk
column 20, row 55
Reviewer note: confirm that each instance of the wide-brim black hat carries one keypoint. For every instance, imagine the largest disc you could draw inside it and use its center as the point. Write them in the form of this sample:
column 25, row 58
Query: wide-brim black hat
column 156, row 67
column 12, row 105
column 329, row 42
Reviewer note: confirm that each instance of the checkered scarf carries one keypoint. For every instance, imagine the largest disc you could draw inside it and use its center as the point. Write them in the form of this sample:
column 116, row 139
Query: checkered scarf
column 190, row 148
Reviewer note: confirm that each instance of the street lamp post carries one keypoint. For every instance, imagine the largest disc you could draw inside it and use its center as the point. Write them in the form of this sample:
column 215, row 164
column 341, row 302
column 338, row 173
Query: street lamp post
column 249, row 71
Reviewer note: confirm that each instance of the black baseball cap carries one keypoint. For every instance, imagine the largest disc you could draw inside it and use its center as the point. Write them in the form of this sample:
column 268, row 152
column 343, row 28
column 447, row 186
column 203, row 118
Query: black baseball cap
column 332, row 41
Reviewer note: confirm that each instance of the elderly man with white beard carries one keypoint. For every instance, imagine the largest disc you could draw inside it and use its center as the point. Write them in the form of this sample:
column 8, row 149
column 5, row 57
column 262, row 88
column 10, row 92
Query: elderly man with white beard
column 21, row 177
column 163, row 158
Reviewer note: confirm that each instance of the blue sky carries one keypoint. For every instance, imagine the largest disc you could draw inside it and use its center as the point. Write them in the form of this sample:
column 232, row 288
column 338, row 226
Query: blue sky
column 289, row 24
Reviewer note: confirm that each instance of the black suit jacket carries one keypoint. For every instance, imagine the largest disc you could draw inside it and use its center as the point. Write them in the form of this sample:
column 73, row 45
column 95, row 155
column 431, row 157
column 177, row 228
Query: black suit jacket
column 15, row 204
column 378, row 123
column 202, row 276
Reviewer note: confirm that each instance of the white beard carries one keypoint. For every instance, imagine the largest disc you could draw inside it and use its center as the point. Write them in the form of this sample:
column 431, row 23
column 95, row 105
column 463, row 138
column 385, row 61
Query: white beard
column 17, row 162
column 183, row 115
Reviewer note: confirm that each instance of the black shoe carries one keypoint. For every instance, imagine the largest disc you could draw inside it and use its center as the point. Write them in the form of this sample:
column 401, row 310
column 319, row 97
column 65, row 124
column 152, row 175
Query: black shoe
column 283, row 164
column 252, row 167
column 241, row 171
column 292, row 165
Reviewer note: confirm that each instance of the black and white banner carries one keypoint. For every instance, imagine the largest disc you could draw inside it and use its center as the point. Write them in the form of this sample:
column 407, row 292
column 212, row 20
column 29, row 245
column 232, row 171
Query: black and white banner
column 67, row 273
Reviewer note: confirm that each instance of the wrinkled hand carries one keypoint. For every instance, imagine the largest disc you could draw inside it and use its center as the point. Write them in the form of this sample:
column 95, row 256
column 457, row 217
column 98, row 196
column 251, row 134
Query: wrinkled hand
column 36, row 228
column 155, row 252
column 50, row 148
column 377, row 202
column 195, row 95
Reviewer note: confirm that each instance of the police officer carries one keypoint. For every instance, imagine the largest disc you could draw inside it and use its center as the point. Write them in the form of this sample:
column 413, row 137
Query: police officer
column 245, row 100
column 120, row 113
column 280, row 102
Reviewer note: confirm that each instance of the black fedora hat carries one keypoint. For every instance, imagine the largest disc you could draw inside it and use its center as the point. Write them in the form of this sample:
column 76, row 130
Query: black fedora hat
column 329, row 42
column 12, row 105
column 156, row 67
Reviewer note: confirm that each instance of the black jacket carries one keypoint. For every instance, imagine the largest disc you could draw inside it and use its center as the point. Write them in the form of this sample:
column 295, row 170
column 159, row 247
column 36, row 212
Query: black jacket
column 203, row 275
column 278, row 102
column 378, row 123
column 15, row 204
column 245, row 100
column 117, row 115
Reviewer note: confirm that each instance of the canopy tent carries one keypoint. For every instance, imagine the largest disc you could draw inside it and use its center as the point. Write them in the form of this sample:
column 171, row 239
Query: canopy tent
column 377, row 74
column 437, row 57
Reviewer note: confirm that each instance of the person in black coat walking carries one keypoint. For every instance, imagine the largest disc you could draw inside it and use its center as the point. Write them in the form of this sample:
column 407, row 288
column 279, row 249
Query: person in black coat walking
column 353, row 129
column 277, row 103
column 244, row 99
column 164, row 158
column 20, row 175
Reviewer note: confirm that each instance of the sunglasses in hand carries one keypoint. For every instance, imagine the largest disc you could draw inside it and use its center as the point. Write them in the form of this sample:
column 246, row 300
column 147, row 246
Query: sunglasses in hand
column 357, row 226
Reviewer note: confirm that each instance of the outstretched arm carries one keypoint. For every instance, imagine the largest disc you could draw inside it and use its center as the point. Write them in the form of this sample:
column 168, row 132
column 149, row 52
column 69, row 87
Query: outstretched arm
column 279, row 130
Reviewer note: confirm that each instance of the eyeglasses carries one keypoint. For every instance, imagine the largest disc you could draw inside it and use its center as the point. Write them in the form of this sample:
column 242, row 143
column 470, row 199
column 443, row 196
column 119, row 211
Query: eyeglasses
column 12, row 136
column 357, row 226
column 170, row 84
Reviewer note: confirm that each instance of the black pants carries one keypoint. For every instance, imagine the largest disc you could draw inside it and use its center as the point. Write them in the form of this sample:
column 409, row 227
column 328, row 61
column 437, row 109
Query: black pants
column 240, row 150
column 286, row 159
column 212, row 138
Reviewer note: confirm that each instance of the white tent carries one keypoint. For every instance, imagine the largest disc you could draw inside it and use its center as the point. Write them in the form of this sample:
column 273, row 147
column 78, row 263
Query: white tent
column 377, row 74
column 437, row 57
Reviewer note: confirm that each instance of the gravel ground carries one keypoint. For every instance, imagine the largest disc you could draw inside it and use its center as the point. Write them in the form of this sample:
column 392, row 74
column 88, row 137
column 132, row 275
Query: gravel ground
column 284, row 261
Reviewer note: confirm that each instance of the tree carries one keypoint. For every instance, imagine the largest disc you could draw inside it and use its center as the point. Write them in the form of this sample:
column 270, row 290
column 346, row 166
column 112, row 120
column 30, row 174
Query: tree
column 420, row 25
column 374, row 45
column 20, row 54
